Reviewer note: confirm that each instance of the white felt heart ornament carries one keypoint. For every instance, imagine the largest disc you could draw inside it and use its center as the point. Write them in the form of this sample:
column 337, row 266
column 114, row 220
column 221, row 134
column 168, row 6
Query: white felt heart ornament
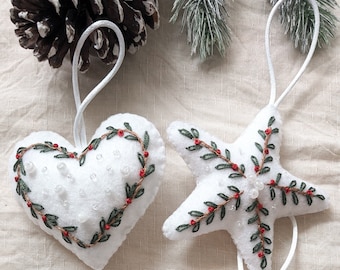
column 89, row 199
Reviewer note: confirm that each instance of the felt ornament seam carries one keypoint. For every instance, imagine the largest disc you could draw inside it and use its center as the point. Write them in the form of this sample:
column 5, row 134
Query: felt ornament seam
column 114, row 218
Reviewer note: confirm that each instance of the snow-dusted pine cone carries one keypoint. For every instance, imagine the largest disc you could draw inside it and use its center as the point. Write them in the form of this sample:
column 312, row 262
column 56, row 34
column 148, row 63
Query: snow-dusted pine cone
column 52, row 27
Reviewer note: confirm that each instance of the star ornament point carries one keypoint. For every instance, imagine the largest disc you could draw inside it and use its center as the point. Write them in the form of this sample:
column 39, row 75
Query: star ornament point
column 240, row 187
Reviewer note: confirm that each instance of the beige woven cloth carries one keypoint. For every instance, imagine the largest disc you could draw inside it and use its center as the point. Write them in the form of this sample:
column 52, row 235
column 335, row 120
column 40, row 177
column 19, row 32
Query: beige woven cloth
column 163, row 83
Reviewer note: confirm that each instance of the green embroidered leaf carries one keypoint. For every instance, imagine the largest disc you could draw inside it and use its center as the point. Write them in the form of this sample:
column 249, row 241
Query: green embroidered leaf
column 127, row 190
column 113, row 215
column 321, row 197
column 271, row 146
column 95, row 143
column 139, row 193
column 234, row 189
column 62, row 156
column 16, row 165
column 23, row 187
column 196, row 213
column 253, row 219
column 283, row 197
column 210, row 218
column 22, row 168
column 111, row 134
column 312, row 189
column 186, row 133
column 102, row 225
column 70, row 228
column 309, row 200
column 271, row 121
column 141, row 159
column 213, row 145
column 196, row 227
column 52, row 219
column 33, row 213
column 146, row 140
column 242, row 168
column 20, row 149
column 18, row 188
column 211, row 204
column 272, row 193
column 264, row 211
column 150, row 170
column 37, row 207
column 267, row 251
column 208, row 156
column 235, row 175
column 131, row 138
column 111, row 128
column 278, row 178
column 254, row 236
column 66, row 239
column 275, row 130
column 81, row 244
column 222, row 166
column 227, row 154
column 257, row 247
column 251, row 207
column 267, row 240
column 127, row 125
column 47, row 224
column 82, row 160
column 302, row 186
column 264, row 170
column 255, row 160
column 268, row 159
column 94, row 238
column 222, row 214
column 292, row 184
column 182, row 227
column 295, row 198
column 104, row 238
column 195, row 133
column 64, row 150
column 265, row 226
column 262, row 134
column 258, row 146
column 194, row 147
column 238, row 203
column 116, row 223
column 223, row 196
column 263, row 262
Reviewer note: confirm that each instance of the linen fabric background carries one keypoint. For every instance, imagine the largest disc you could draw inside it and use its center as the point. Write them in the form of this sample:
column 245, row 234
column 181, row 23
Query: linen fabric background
column 163, row 83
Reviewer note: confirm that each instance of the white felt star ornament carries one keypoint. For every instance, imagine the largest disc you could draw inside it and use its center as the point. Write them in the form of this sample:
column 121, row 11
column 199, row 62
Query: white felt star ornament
column 241, row 187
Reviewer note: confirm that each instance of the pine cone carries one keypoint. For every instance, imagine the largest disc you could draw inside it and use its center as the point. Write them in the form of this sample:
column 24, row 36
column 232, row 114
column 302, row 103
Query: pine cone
column 52, row 28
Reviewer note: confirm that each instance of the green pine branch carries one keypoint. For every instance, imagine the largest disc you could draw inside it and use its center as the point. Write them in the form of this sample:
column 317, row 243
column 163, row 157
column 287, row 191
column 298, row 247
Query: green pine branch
column 205, row 24
column 297, row 18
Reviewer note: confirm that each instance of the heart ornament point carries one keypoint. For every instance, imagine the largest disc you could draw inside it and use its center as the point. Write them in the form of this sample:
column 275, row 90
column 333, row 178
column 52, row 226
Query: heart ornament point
column 89, row 199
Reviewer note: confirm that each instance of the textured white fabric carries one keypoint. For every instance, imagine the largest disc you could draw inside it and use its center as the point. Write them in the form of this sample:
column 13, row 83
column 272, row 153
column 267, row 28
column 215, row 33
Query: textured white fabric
column 163, row 83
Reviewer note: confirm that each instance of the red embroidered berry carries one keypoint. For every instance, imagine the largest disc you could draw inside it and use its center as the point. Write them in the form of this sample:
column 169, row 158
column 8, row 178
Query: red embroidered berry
column 90, row 147
column 272, row 182
column 128, row 200
column 259, row 206
column 65, row 233
column 256, row 168
column 142, row 173
column 16, row 179
column 237, row 195
column 218, row 151
column 268, row 131
column 266, row 151
column 211, row 209
column 17, row 156
column 146, row 154
column 260, row 254
column 120, row 133
column 287, row 189
column 309, row 192
column 44, row 218
column 234, row 166
column 55, row 145
column 29, row 204
column 192, row 222
column 71, row 155
column 107, row 227
column 262, row 230
column 197, row 141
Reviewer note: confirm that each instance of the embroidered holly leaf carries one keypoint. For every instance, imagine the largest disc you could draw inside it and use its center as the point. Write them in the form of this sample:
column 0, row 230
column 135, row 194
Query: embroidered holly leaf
column 104, row 238
column 264, row 170
column 251, row 207
column 33, row 213
column 208, row 156
column 211, row 204
column 262, row 134
column 52, row 219
column 70, row 228
column 254, row 236
column 146, row 140
column 210, row 218
column 21, row 149
column 195, row 133
column 272, row 193
column 196, row 227
column 127, row 125
column 235, row 175
column 139, row 193
column 234, row 189
column 271, row 146
column 303, row 186
column 213, row 145
column 259, row 147
column 94, row 238
column 116, row 223
column 131, row 137
column 321, row 197
column 268, row 159
column 150, row 170
column 255, row 160
column 267, row 240
column 223, row 196
column 264, row 211
column 265, row 226
column 186, row 133
column 223, row 212
column 141, row 159
column 195, row 213
column 292, row 184
column 271, row 121
column 227, row 154
column 194, row 147
column 283, row 197
column 102, row 225
column 253, row 219
column 37, row 207
column 112, row 134
column 182, row 227
column 238, row 203
column 257, row 247
column 95, row 143
column 295, row 198
column 223, row 166
column 263, row 262
column 82, row 160
column 66, row 238
column 278, row 178
column 309, row 200
column 275, row 130
column 81, row 244
column 62, row 156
